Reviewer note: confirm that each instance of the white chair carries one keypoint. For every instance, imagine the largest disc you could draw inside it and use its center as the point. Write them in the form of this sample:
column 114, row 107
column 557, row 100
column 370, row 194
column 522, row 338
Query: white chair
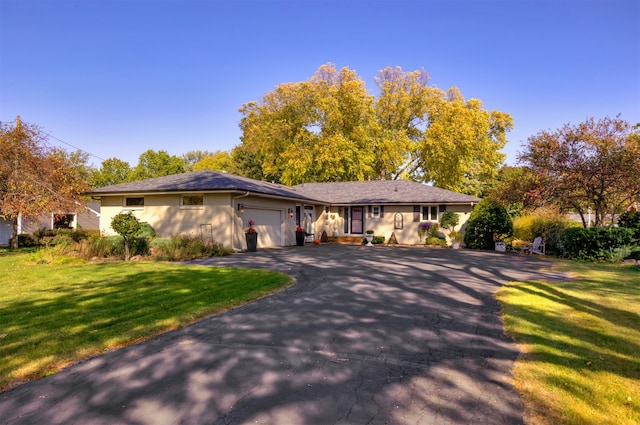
column 536, row 248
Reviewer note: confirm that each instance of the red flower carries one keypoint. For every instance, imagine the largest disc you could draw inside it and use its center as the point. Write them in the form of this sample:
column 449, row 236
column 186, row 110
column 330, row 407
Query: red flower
column 250, row 229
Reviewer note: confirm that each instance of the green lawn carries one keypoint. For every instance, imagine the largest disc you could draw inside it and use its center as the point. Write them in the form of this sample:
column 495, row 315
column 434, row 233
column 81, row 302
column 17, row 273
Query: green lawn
column 54, row 315
column 581, row 344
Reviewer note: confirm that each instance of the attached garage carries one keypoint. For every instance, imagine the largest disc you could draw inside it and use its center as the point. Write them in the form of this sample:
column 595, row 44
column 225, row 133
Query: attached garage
column 268, row 224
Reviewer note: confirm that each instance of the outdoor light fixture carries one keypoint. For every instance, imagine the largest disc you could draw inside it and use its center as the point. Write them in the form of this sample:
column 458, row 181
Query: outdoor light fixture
column 290, row 212
column 240, row 208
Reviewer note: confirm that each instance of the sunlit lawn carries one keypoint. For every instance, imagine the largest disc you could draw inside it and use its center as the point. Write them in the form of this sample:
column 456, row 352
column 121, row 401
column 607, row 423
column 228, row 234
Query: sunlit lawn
column 54, row 315
column 581, row 343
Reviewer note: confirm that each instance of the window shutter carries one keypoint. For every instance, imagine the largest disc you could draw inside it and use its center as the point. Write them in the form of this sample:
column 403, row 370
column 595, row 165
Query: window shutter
column 370, row 213
column 416, row 213
column 381, row 211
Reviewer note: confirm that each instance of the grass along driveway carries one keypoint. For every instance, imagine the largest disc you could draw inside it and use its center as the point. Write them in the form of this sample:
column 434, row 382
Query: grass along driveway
column 55, row 315
column 581, row 344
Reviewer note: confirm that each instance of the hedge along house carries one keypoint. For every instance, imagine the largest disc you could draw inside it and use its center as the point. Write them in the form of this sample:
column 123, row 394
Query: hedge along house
column 218, row 206
column 385, row 206
column 207, row 204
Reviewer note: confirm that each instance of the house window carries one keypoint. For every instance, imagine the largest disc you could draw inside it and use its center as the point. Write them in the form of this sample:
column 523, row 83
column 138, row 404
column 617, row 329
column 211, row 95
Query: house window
column 430, row 213
column 375, row 211
column 134, row 202
column 63, row 221
column 192, row 201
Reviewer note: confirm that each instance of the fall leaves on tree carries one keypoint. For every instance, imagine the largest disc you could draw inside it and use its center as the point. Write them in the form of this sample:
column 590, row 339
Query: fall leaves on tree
column 36, row 179
column 330, row 128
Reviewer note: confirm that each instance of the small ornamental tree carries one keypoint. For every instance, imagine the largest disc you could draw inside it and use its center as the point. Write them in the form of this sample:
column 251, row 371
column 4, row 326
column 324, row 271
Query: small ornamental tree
column 449, row 220
column 488, row 223
column 127, row 226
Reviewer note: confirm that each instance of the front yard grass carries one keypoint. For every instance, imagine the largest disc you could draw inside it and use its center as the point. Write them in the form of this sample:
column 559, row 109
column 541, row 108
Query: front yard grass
column 52, row 315
column 581, row 344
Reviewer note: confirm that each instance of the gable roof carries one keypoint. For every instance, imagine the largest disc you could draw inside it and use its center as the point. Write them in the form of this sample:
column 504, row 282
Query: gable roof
column 382, row 192
column 200, row 181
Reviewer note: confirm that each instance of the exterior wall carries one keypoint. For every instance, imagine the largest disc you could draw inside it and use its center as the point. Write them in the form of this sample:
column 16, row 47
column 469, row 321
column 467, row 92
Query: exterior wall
column 165, row 214
column 219, row 214
column 385, row 225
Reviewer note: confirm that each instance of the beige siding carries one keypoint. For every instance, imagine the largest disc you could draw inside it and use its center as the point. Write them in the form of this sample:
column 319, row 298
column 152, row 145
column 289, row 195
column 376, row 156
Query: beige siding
column 385, row 225
column 168, row 218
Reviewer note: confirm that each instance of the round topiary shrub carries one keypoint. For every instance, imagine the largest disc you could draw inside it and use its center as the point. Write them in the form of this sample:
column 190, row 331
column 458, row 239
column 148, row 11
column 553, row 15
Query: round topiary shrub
column 488, row 223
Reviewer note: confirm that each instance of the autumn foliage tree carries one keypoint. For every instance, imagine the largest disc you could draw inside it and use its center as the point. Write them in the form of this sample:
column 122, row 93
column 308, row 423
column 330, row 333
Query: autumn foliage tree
column 36, row 179
column 330, row 128
column 590, row 165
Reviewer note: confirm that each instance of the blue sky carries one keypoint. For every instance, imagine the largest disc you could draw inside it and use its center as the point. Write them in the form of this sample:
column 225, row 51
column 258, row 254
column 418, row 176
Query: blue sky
column 116, row 78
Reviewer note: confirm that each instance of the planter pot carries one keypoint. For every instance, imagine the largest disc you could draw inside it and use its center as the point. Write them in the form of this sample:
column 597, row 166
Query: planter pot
column 501, row 247
column 300, row 237
column 369, row 238
column 455, row 245
column 252, row 241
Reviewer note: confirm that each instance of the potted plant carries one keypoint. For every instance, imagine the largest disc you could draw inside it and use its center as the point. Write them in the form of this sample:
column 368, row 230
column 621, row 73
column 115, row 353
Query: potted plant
column 252, row 237
column 456, row 239
column 300, row 236
column 369, row 237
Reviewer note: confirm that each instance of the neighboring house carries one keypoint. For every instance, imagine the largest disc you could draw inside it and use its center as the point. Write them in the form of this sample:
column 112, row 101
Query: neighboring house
column 218, row 206
column 89, row 219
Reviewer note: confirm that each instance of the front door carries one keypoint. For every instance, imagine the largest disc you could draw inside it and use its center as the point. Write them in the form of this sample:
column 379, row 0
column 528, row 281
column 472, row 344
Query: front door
column 357, row 215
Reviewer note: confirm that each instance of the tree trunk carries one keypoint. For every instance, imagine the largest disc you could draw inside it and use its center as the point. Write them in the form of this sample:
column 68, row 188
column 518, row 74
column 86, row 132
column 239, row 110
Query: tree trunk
column 126, row 249
column 14, row 234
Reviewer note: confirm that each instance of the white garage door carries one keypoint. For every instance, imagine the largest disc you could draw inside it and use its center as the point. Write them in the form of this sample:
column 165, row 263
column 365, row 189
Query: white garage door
column 268, row 224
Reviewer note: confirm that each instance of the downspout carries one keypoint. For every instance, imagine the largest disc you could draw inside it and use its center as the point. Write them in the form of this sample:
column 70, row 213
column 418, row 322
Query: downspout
column 233, row 228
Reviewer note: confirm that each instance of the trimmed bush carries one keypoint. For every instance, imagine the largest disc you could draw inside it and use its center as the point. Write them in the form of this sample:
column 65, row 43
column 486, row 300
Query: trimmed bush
column 488, row 223
column 596, row 243
column 631, row 220
column 146, row 231
column 435, row 241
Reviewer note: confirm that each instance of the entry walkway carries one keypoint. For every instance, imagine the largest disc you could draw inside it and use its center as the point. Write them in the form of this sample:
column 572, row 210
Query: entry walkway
column 383, row 335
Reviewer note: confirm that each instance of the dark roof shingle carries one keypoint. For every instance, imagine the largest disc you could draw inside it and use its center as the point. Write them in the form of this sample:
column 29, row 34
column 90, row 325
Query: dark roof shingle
column 200, row 181
column 382, row 192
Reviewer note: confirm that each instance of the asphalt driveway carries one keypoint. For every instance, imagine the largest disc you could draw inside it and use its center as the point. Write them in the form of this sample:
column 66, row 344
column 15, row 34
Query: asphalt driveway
column 384, row 335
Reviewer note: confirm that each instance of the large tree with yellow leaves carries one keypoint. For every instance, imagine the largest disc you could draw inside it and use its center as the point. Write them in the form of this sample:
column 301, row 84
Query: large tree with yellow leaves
column 330, row 128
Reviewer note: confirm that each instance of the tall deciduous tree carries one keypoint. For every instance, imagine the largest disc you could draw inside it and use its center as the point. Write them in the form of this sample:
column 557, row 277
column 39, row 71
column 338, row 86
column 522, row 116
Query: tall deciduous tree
column 216, row 161
column 36, row 179
column 156, row 164
column 590, row 165
column 330, row 128
column 316, row 130
column 111, row 171
column 191, row 158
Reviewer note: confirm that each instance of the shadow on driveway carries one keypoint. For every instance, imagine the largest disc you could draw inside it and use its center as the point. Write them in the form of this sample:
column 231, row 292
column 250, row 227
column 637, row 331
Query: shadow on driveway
column 384, row 335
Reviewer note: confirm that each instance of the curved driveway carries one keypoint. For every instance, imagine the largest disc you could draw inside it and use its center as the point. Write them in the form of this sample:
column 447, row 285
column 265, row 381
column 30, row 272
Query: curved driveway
column 384, row 335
